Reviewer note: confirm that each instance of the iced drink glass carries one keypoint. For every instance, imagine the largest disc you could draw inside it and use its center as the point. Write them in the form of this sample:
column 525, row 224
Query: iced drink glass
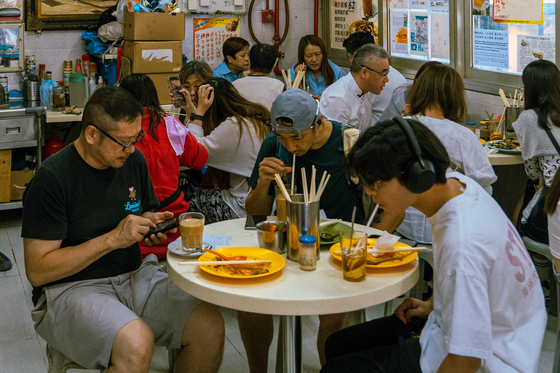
column 192, row 228
column 354, row 257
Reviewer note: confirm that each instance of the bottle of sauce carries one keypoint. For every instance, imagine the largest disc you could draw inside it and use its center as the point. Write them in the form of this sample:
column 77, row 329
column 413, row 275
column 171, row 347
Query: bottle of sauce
column 471, row 126
column 307, row 253
column 484, row 130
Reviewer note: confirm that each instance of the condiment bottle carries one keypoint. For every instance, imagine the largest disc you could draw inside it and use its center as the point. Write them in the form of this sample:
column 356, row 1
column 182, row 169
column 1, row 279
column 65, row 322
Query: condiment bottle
column 484, row 130
column 307, row 253
column 471, row 126
column 510, row 134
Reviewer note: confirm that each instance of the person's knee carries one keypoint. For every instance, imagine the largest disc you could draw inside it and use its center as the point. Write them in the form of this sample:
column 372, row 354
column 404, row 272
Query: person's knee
column 205, row 324
column 334, row 321
column 133, row 347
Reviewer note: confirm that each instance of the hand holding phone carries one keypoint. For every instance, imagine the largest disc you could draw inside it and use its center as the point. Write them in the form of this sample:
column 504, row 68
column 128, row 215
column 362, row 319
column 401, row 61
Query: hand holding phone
column 163, row 227
column 174, row 87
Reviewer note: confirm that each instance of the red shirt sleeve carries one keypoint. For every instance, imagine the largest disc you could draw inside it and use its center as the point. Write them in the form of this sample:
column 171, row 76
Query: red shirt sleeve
column 195, row 154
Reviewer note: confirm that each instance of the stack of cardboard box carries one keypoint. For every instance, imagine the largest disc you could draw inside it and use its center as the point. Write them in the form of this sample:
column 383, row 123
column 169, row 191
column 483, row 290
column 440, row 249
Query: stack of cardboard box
column 153, row 44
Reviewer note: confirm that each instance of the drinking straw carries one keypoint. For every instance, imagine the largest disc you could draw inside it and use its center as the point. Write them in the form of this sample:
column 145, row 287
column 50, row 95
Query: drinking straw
column 293, row 171
column 368, row 225
column 320, row 192
column 304, row 182
column 312, row 185
column 282, row 187
column 503, row 96
column 352, row 230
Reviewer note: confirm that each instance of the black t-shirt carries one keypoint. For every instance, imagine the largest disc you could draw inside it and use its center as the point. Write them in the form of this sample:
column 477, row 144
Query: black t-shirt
column 69, row 200
column 340, row 195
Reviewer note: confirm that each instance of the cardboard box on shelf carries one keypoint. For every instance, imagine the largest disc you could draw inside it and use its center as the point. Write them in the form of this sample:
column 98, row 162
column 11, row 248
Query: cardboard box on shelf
column 160, row 81
column 154, row 26
column 154, row 57
column 18, row 183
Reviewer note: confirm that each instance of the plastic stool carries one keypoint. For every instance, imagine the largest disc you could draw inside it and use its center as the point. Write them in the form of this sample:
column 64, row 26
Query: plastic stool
column 544, row 249
column 58, row 363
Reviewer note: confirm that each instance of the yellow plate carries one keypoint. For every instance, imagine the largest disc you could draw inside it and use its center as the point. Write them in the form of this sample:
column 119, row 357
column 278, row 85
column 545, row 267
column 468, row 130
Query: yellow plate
column 252, row 253
column 408, row 256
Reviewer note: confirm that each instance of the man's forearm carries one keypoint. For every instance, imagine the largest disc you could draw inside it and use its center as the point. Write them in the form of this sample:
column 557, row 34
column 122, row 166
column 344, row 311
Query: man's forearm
column 60, row 263
column 258, row 201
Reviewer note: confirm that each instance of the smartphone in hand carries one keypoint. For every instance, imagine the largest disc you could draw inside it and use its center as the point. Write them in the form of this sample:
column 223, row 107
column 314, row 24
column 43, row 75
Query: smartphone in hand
column 163, row 227
column 174, row 84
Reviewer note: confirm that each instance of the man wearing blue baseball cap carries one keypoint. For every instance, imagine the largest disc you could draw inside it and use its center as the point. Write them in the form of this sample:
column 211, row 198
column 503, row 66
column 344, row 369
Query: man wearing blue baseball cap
column 298, row 128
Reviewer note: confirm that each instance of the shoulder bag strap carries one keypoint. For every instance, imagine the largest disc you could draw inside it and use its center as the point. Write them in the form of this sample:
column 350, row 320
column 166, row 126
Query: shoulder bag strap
column 551, row 137
column 169, row 200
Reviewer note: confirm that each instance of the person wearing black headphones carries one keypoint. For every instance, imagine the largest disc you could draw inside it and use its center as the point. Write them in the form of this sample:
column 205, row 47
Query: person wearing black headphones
column 486, row 314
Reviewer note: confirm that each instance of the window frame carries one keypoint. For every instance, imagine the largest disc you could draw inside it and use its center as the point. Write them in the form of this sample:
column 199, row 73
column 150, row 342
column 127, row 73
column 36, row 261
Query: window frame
column 461, row 56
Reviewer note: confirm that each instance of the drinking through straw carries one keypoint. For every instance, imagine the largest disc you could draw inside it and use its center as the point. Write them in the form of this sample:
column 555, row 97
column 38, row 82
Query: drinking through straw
column 293, row 171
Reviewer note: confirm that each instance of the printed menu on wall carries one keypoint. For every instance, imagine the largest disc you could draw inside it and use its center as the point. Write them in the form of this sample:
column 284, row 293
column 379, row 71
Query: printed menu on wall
column 491, row 48
column 518, row 11
column 399, row 29
column 531, row 48
column 352, row 16
column 209, row 35
column 439, row 42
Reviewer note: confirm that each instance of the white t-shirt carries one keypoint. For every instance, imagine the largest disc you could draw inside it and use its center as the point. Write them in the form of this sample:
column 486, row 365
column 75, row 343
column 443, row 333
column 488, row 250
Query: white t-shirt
column 259, row 89
column 227, row 153
column 466, row 151
column 344, row 102
column 382, row 100
column 488, row 302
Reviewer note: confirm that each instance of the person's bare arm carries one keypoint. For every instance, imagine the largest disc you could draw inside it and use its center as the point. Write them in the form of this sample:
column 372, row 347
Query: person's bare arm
column 258, row 201
column 46, row 262
column 459, row 364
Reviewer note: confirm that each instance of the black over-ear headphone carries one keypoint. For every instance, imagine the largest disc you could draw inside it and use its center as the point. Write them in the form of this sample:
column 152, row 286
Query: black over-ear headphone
column 419, row 175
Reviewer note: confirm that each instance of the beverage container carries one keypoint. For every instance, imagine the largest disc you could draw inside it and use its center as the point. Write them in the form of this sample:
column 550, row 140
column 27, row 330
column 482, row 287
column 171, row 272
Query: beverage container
column 485, row 130
column 272, row 235
column 57, row 99
column 191, row 225
column 512, row 113
column 78, row 90
column 303, row 219
column 367, row 7
column 281, row 201
column 354, row 256
column 307, row 253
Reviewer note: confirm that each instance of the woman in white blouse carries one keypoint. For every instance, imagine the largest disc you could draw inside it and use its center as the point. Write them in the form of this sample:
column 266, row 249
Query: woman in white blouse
column 231, row 129
column 553, row 211
column 437, row 99
column 541, row 82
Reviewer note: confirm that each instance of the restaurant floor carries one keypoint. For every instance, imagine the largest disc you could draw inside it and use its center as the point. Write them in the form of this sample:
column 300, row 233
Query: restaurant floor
column 22, row 350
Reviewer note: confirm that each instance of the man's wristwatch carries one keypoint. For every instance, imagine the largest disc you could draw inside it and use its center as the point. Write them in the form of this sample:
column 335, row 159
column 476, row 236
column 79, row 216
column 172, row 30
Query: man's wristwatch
column 196, row 117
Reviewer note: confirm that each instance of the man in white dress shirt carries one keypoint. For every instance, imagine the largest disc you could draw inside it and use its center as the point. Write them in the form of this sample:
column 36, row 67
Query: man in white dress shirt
column 396, row 79
column 349, row 99
column 258, row 87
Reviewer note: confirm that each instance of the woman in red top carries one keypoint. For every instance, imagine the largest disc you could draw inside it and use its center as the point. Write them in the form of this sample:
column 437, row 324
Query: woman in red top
column 167, row 146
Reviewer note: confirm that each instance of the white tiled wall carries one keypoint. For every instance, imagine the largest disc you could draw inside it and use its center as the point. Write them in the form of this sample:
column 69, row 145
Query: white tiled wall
column 478, row 103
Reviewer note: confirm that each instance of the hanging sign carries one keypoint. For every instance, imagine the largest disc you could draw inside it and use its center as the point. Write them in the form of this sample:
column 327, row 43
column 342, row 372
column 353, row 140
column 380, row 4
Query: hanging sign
column 518, row 11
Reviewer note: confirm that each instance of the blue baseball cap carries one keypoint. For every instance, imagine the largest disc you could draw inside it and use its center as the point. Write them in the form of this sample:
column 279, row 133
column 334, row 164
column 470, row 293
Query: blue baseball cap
column 297, row 105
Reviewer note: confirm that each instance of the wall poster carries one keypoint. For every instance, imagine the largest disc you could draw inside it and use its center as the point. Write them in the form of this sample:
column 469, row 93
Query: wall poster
column 419, row 34
column 399, row 30
column 531, row 48
column 209, row 35
column 491, row 48
column 518, row 11
column 351, row 16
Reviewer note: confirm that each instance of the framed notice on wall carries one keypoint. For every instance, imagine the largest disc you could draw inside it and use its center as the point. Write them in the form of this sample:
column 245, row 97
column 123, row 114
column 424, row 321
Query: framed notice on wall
column 209, row 35
column 346, row 17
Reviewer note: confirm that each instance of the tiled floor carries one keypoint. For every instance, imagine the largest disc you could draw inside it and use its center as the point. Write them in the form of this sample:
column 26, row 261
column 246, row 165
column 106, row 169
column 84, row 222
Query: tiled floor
column 23, row 351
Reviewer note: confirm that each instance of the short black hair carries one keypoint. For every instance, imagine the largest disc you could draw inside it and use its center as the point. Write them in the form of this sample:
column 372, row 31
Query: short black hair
column 108, row 106
column 262, row 57
column 233, row 45
column 384, row 151
column 356, row 40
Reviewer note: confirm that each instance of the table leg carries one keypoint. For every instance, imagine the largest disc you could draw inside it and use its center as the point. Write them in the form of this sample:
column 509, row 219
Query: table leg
column 289, row 354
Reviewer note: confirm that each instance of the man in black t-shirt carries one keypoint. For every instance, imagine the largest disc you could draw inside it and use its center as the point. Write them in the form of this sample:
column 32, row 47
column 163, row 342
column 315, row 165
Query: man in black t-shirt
column 84, row 212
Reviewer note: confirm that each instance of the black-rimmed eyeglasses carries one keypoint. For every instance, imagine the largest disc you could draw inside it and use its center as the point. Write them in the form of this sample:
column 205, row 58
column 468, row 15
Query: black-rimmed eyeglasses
column 125, row 147
column 383, row 74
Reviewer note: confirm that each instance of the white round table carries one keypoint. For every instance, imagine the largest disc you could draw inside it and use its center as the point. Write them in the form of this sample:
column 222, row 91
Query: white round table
column 503, row 159
column 291, row 291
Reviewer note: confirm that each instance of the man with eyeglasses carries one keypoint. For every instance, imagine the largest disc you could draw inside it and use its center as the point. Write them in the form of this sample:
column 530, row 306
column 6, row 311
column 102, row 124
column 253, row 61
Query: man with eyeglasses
column 349, row 99
column 85, row 210
column 298, row 128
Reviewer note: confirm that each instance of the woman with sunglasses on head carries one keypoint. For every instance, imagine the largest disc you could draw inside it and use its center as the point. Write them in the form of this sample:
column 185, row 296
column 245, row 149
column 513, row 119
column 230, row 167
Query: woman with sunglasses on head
column 167, row 145
column 437, row 100
column 232, row 129
column 320, row 72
